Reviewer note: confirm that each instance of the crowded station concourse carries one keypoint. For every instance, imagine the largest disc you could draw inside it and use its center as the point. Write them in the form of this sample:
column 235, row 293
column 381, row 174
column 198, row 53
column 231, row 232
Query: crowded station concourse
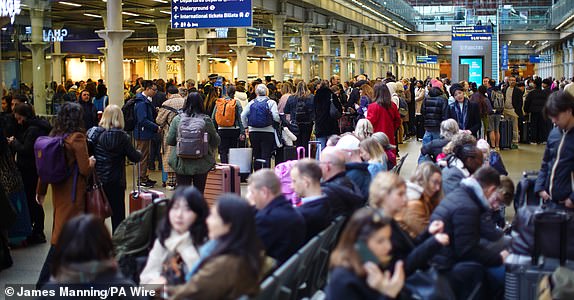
column 287, row 149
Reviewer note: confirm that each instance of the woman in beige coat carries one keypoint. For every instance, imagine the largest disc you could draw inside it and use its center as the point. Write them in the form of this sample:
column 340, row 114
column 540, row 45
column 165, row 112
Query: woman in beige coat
column 169, row 109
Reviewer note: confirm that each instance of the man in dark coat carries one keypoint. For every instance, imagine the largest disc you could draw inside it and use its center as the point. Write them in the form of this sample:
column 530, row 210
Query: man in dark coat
column 145, row 128
column 466, row 113
column 279, row 225
column 90, row 112
column 344, row 195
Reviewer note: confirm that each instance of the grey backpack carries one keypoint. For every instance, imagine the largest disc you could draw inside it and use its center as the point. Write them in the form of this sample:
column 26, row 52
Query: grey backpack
column 192, row 138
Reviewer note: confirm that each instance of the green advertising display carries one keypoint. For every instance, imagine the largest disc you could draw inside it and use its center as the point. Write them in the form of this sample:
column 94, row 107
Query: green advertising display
column 475, row 68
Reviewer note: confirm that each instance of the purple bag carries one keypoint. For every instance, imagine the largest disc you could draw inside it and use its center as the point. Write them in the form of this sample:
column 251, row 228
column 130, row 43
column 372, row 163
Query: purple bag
column 283, row 171
column 50, row 154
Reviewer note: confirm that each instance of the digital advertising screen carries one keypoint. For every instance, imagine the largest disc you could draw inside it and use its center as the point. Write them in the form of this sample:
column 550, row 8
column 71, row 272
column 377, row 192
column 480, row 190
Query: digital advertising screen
column 475, row 68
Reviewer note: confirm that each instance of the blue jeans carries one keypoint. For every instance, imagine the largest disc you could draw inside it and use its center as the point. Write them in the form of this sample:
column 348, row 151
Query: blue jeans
column 427, row 138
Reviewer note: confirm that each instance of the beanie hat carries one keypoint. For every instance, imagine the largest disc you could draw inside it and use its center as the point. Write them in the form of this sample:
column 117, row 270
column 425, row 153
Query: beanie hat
column 436, row 83
column 455, row 87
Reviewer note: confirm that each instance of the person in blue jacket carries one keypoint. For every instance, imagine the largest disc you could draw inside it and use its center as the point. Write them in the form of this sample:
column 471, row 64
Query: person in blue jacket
column 145, row 128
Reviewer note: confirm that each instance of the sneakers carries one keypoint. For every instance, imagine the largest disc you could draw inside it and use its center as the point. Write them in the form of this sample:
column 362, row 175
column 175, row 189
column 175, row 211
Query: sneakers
column 146, row 182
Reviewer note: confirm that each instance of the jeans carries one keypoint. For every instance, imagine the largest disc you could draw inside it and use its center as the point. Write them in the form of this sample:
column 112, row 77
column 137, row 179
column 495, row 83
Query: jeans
column 263, row 144
column 427, row 138
column 198, row 181
column 116, row 197
column 229, row 139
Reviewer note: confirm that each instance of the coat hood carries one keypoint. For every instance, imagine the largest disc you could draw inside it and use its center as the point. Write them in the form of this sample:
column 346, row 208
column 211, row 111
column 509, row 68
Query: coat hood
column 414, row 191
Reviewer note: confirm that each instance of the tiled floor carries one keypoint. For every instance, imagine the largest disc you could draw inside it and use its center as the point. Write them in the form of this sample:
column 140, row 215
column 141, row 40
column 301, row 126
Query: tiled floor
column 28, row 261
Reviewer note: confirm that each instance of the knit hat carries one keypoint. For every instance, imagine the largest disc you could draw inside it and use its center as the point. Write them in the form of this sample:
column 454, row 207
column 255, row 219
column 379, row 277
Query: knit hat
column 348, row 142
column 436, row 83
column 455, row 87
column 569, row 88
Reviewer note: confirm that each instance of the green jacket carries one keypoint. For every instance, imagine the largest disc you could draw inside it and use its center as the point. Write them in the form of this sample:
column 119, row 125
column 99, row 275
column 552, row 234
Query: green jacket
column 185, row 166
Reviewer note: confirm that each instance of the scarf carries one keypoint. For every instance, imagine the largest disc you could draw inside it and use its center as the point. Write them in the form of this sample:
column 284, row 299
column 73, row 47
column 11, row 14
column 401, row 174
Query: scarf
column 204, row 252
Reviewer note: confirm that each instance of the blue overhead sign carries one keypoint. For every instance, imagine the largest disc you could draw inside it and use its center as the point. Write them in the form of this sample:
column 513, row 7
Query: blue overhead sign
column 427, row 59
column 536, row 59
column 261, row 37
column 211, row 13
column 504, row 57
column 471, row 33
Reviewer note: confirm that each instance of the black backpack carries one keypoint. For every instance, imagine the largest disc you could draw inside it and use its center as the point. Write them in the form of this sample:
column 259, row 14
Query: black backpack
column 302, row 113
column 129, row 110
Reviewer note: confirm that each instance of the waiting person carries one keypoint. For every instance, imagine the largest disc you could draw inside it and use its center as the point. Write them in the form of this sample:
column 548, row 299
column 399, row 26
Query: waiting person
column 435, row 110
column 67, row 203
column 315, row 207
column 513, row 108
column 383, row 113
column 101, row 99
column 193, row 170
column 258, row 116
column 424, row 192
column 554, row 182
column 352, row 276
column 390, row 150
column 230, row 134
column 84, row 256
column 373, row 153
column 497, row 101
column 31, row 127
column 325, row 124
column 286, row 92
column 448, row 129
column 466, row 261
column 90, row 112
column 466, row 113
column 356, row 169
column 182, row 231
column 388, row 194
column 145, row 128
column 367, row 96
column 231, row 262
column 344, row 195
column 301, row 108
column 166, row 113
column 111, row 147
column 534, row 105
column 364, row 129
column 280, row 226
column 464, row 160
column 484, row 107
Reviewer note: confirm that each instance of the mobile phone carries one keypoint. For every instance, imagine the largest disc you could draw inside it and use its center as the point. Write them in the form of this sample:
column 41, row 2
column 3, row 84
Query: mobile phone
column 365, row 254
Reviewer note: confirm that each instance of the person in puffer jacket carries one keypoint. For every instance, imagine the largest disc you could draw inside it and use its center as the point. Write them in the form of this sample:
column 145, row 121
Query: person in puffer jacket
column 111, row 146
column 556, row 176
column 434, row 110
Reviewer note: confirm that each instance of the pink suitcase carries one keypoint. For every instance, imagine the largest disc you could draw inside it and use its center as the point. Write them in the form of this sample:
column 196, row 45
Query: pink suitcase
column 224, row 178
column 140, row 198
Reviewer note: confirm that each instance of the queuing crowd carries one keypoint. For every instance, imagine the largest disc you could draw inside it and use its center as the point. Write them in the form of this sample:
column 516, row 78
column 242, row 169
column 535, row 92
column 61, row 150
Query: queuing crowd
column 448, row 214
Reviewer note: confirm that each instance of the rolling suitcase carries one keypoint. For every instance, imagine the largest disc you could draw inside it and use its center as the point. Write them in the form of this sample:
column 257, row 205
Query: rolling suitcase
column 242, row 157
column 140, row 198
column 224, row 178
column 285, row 153
column 505, row 134
column 525, row 132
column 521, row 278
column 420, row 126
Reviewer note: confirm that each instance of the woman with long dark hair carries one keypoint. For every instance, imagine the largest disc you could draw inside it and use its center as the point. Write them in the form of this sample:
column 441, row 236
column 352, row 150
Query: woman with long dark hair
column 383, row 113
column 182, row 231
column 300, row 107
column 231, row 262
column 193, row 170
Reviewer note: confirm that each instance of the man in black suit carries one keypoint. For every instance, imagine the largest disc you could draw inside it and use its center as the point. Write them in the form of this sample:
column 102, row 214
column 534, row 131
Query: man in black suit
column 513, row 108
column 280, row 227
column 306, row 182
column 466, row 113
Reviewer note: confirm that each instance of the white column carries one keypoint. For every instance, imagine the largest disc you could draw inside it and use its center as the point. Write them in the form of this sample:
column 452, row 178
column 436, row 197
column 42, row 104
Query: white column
column 344, row 59
column 241, row 49
column 115, row 37
column 326, row 53
column 305, row 54
column 203, row 55
column 369, row 59
column 190, row 44
column 358, row 56
column 378, row 71
column 161, row 26
column 279, row 51
column 57, row 57
column 386, row 59
column 570, row 62
column 37, row 47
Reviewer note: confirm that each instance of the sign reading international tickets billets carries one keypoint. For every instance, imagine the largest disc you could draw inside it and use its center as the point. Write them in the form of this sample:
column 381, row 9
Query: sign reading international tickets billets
column 471, row 33
column 427, row 59
column 211, row 13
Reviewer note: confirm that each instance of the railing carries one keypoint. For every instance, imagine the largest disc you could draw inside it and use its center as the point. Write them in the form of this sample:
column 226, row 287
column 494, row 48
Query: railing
column 400, row 8
column 562, row 10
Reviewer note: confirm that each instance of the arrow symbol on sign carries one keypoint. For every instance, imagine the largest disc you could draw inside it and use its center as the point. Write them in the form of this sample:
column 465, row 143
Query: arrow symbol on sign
column 176, row 24
column 176, row 17
column 175, row 8
column 175, row 1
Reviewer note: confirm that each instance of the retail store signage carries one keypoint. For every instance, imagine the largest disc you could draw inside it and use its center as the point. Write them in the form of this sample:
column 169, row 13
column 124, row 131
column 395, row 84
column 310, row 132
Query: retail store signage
column 427, row 59
column 536, row 59
column 10, row 8
column 169, row 48
column 471, row 33
column 211, row 13
column 54, row 35
column 504, row 57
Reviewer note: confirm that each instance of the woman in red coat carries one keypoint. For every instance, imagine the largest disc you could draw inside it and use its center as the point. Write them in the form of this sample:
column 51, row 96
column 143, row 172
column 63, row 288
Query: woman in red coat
column 383, row 113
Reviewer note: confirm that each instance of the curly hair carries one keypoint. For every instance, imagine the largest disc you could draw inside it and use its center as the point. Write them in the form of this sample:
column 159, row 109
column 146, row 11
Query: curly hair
column 70, row 119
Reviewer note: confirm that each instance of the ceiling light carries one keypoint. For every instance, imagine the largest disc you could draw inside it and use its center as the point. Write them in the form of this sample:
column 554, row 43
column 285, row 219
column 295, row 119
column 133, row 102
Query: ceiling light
column 160, row 1
column 165, row 12
column 129, row 14
column 4, row 28
column 565, row 21
column 509, row 42
column 70, row 3
column 92, row 15
column 544, row 43
column 527, row 42
column 141, row 22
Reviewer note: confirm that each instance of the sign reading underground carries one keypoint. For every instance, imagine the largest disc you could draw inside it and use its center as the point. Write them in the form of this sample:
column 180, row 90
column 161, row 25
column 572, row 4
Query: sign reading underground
column 211, row 13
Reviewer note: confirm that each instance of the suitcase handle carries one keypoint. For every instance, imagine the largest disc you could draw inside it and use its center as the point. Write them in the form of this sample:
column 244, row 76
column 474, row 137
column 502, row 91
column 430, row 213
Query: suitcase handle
column 300, row 153
column 318, row 143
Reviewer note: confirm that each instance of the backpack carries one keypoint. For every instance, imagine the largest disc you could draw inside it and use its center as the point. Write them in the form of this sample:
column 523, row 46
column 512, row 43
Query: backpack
column 51, row 164
column 129, row 110
column 260, row 115
column 497, row 101
column 302, row 113
column 403, row 107
column 225, row 112
column 192, row 138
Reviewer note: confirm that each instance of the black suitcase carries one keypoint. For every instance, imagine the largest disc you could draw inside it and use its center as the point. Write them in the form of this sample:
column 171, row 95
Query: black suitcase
column 525, row 132
column 525, row 190
column 505, row 134
column 285, row 153
column 522, row 278
column 420, row 126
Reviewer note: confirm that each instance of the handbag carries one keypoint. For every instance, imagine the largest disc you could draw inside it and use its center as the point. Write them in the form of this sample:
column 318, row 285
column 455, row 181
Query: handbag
column 429, row 284
column 96, row 199
column 333, row 111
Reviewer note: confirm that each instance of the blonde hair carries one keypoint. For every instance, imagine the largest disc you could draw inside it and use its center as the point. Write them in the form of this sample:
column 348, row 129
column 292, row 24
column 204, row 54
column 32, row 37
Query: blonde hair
column 375, row 150
column 381, row 186
column 112, row 118
column 364, row 129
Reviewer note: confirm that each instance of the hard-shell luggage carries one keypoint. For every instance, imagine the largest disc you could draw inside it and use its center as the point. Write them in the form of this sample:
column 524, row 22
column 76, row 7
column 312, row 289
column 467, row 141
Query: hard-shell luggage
column 525, row 190
column 525, row 132
column 285, row 153
column 140, row 198
column 505, row 134
column 224, row 178
column 242, row 157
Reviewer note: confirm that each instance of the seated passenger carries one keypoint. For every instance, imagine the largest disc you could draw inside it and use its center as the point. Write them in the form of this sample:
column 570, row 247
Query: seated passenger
column 448, row 128
column 344, row 195
column 390, row 150
column 356, row 169
column 461, row 213
column 181, row 233
column 315, row 207
column 374, row 154
column 493, row 222
column 388, row 194
column 464, row 160
column 280, row 226
column 231, row 262
column 360, row 264
column 424, row 192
